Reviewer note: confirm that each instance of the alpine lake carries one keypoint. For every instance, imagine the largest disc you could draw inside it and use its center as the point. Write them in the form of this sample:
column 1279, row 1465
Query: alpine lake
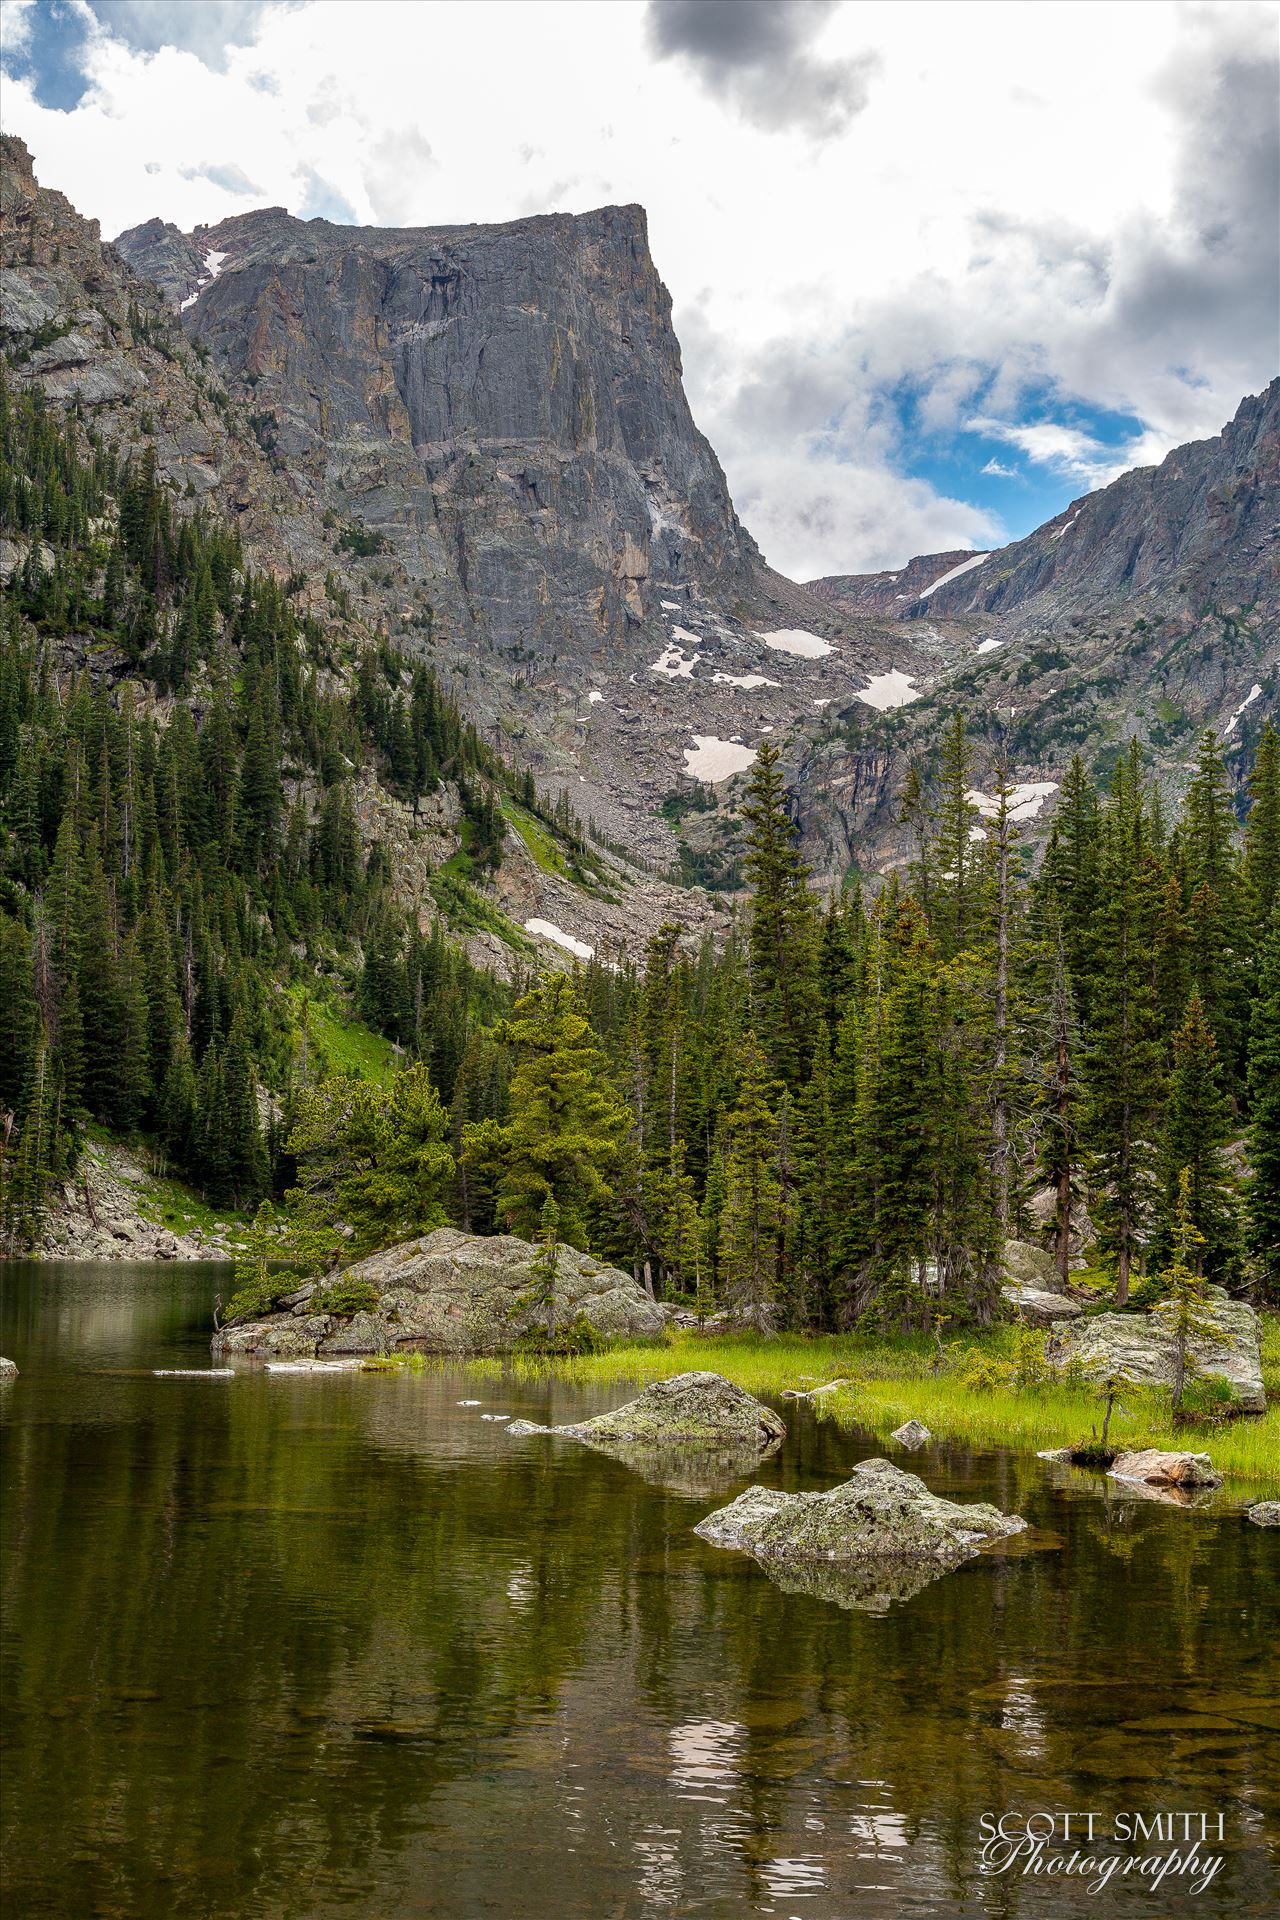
column 291, row 1645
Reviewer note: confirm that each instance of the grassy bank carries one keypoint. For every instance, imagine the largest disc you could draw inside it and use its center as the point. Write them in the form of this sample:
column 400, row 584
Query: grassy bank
column 893, row 1380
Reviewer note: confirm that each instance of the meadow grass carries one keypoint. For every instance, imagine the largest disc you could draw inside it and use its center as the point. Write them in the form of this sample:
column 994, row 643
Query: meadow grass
column 892, row 1380
column 348, row 1045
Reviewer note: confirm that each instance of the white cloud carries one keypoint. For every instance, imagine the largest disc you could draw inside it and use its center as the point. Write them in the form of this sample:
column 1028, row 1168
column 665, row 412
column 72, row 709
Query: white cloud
column 997, row 213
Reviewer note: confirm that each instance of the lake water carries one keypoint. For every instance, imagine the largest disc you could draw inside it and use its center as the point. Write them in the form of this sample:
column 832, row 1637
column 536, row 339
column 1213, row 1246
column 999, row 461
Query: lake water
column 288, row 1646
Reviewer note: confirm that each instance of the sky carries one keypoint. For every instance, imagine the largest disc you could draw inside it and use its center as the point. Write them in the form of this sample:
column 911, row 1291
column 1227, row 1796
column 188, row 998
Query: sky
column 937, row 270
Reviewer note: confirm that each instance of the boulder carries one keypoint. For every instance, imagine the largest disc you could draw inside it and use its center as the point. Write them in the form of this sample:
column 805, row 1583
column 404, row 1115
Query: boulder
column 8, row 1371
column 879, row 1513
column 690, row 1410
column 1030, row 1266
column 1166, row 1469
column 1138, row 1345
column 914, row 1434
column 1264, row 1513
column 1039, row 1308
column 448, row 1292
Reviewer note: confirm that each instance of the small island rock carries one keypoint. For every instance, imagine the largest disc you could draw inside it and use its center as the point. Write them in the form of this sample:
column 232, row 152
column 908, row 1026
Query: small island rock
column 8, row 1371
column 1264, row 1513
column 688, row 1410
column 1166, row 1469
column 913, row 1434
column 879, row 1512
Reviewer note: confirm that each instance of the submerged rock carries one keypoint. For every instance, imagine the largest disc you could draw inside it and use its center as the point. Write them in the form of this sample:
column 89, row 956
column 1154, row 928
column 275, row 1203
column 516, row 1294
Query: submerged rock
column 1138, row 1345
column 8, row 1371
column 1166, row 1469
column 689, row 1410
column 1264, row 1513
column 449, row 1292
column 880, row 1513
column 913, row 1434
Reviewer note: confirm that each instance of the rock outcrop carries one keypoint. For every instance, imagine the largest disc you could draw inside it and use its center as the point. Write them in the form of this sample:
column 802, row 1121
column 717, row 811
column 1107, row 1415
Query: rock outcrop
column 1032, row 1288
column 447, row 1292
column 880, row 1513
column 1166, row 1469
column 688, row 1410
column 1138, row 1345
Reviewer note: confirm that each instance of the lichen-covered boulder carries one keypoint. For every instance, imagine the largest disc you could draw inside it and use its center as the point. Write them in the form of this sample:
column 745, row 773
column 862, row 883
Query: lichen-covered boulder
column 448, row 1292
column 1166, row 1469
column 1027, row 1265
column 1038, row 1308
column 912, row 1435
column 1264, row 1513
column 880, row 1512
column 688, row 1410
column 1140, row 1345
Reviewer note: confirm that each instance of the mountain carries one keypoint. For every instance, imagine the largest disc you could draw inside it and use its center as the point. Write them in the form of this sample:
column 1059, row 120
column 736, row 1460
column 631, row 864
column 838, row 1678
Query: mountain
column 100, row 344
column 478, row 436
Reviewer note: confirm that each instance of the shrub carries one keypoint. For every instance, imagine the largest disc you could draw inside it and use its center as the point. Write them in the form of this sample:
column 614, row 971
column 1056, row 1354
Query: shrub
column 982, row 1372
column 345, row 1296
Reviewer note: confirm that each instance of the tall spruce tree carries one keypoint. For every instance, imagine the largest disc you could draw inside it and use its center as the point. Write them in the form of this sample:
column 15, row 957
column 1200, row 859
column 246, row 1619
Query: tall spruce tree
column 783, row 936
column 1264, row 1127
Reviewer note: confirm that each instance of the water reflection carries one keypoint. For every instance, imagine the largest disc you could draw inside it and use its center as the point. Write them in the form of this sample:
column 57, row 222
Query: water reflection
column 290, row 1646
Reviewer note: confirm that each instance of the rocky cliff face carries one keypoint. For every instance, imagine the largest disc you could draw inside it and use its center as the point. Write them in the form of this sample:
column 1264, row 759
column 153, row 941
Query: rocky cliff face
column 478, row 436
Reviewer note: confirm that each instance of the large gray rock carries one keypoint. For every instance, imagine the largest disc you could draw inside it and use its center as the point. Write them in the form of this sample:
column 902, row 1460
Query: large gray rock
column 1030, row 1266
column 1038, row 1308
column 450, row 1292
column 8, row 1370
column 1139, row 1345
column 880, row 1513
column 1264, row 1513
column 688, row 1410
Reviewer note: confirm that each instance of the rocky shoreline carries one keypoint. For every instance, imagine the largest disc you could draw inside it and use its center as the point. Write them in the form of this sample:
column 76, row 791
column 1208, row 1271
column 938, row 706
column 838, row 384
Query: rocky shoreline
column 112, row 1209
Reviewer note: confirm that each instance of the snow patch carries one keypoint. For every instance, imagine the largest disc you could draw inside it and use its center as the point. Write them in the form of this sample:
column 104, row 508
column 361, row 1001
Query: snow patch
column 212, row 268
column 1059, row 531
column 794, row 640
column 689, row 639
column 1252, row 695
column 886, row 690
column 822, row 703
column 989, row 646
column 966, row 566
column 670, row 606
column 712, row 759
column 977, row 833
column 1025, row 801
column 594, row 698
column 547, row 930
column 749, row 681
column 675, row 664
column 213, row 263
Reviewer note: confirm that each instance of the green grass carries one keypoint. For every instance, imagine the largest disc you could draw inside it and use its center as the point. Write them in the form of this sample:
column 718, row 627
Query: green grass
column 892, row 1381
column 348, row 1045
column 542, row 848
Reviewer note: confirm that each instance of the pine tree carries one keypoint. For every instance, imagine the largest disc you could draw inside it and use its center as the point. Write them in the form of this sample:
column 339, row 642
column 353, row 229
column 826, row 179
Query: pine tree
column 783, row 932
column 1124, row 1056
column 958, row 863
column 753, row 1216
column 568, row 1128
column 1193, row 1173
column 1262, row 833
column 1264, row 1128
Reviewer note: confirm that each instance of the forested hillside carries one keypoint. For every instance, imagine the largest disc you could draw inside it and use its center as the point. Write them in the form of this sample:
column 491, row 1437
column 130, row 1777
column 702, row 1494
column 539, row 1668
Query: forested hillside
column 178, row 843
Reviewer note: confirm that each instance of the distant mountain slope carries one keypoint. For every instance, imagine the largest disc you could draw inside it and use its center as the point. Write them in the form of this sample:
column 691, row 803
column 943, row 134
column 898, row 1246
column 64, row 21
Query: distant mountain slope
column 1201, row 529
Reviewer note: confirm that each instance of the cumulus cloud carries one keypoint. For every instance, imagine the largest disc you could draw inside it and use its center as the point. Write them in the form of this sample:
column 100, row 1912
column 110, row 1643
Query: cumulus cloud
column 207, row 28
column 1009, row 230
column 759, row 55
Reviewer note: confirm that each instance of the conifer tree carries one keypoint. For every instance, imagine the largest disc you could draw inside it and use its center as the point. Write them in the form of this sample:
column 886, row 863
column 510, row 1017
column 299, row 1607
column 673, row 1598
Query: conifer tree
column 783, row 936
column 567, row 1131
column 1192, row 1170
column 753, row 1216
column 1262, row 833
column 1124, row 1057
column 1264, row 1129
